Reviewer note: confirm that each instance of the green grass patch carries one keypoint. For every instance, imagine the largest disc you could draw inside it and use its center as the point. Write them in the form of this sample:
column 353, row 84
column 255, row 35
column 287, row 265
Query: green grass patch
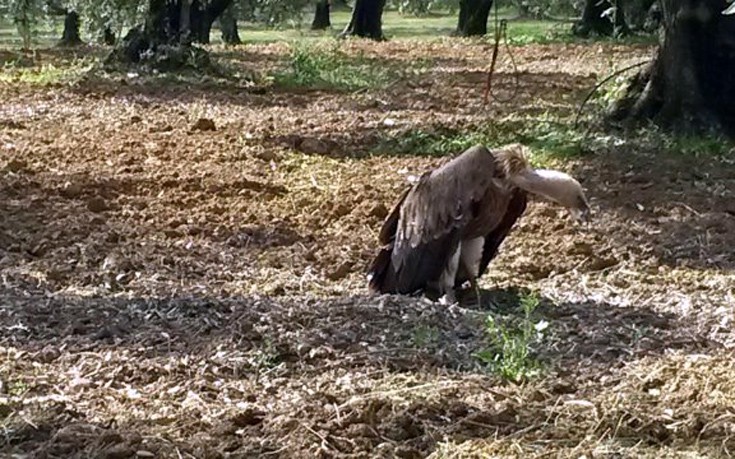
column 46, row 74
column 424, row 336
column 550, row 138
column 396, row 26
column 326, row 66
column 525, row 32
column 714, row 145
column 509, row 352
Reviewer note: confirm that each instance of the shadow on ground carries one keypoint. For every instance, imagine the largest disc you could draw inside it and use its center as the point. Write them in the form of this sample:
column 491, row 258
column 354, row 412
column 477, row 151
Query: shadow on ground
column 291, row 354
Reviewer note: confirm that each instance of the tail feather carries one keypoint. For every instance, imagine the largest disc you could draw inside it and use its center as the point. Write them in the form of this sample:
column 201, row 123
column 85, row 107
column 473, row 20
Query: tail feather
column 381, row 277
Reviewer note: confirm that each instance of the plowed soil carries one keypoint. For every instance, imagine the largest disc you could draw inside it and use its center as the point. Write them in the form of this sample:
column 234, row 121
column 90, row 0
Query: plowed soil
column 182, row 275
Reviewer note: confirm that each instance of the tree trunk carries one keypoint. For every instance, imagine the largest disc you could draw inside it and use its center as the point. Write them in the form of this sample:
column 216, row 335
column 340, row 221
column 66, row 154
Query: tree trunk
column 654, row 18
column 171, row 23
column 70, row 36
column 185, row 35
column 602, row 17
column 524, row 11
column 201, row 22
column 636, row 12
column 367, row 17
column 321, row 16
column 473, row 16
column 690, row 85
column 108, row 36
column 228, row 26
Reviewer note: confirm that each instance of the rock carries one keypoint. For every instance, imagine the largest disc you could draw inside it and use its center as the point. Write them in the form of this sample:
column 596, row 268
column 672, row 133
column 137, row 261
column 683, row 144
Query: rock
column 97, row 204
column 248, row 417
column 406, row 452
column 583, row 248
column 267, row 155
column 360, row 430
column 312, row 146
column 12, row 124
column 48, row 354
column 71, row 190
column 598, row 264
column 379, row 211
column 16, row 165
column 113, row 236
column 341, row 271
column 341, row 209
column 204, row 124
column 117, row 452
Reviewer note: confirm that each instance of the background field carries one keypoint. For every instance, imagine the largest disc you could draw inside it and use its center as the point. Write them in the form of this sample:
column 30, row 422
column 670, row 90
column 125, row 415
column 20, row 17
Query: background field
column 169, row 290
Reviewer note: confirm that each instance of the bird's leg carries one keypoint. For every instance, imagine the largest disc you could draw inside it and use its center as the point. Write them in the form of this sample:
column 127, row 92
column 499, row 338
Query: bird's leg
column 470, row 264
column 476, row 289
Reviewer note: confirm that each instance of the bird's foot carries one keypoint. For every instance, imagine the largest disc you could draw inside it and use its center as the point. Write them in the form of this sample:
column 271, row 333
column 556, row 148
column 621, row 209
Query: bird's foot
column 448, row 298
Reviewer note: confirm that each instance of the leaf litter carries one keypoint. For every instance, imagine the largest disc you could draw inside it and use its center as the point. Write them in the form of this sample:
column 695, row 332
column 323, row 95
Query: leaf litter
column 183, row 275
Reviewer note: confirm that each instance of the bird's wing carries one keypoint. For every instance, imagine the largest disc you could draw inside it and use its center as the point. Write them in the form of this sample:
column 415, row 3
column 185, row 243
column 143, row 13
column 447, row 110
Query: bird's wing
column 494, row 238
column 434, row 215
column 388, row 230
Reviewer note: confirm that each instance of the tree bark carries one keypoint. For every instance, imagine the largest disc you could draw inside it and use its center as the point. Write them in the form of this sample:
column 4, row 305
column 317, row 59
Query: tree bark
column 108, row 36
column 171, row 23
column 228, row 25
column 367, row 17
column 70, row 36
column 636, row 12
column 473, row 16
column 602, row 17
column 690, row 84
column 321, row 16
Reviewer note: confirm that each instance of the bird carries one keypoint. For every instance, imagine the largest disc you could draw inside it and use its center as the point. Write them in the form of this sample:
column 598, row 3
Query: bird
column 448, row 226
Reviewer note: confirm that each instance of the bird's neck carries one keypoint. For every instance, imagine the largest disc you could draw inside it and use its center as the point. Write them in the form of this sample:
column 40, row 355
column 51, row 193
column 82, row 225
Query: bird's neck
column 547, row 183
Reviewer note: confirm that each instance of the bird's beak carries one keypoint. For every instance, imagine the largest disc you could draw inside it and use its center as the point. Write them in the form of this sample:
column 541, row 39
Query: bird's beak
column 582, row 216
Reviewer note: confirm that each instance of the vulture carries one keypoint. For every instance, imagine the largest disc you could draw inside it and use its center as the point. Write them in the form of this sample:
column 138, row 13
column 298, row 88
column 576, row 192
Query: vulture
column 448, row 226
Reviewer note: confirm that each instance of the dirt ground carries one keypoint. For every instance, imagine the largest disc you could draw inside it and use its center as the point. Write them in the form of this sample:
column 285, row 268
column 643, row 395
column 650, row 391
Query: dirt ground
column 171, row 290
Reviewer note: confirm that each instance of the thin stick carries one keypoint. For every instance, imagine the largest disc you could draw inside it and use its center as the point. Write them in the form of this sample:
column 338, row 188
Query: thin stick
column 320, row 436
column 598, row 85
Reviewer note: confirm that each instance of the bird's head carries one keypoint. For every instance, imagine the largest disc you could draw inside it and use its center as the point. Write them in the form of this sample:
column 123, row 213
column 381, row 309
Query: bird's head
column 560, row 188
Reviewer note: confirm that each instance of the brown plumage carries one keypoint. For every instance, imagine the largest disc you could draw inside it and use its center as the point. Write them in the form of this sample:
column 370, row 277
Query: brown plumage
column 448, row 226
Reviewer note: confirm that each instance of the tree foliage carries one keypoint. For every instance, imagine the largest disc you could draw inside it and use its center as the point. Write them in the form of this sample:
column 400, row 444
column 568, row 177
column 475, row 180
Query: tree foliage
column 275, row 13
column 120, row 15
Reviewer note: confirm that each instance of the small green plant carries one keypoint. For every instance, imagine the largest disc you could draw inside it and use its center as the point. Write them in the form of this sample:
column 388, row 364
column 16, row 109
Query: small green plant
column 46, row 74
column 327, row 66
column 267, row 357
column 424, row 335
column 17, row 388
column 510, row 350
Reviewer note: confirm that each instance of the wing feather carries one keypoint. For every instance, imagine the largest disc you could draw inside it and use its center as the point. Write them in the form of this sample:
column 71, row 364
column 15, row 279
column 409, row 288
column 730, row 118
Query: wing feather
column 515, row 209
column 435, row 215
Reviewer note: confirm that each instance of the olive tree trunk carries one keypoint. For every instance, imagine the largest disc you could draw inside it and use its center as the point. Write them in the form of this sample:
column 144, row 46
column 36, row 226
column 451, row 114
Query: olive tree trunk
column 473, row 16
column 172, row 23
column 366, row 21
column 108, row 36
column 602, row 17
column 636, row 13
column 70, row 36
column 321, row 16
column 228, row 25
column 690, row 84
